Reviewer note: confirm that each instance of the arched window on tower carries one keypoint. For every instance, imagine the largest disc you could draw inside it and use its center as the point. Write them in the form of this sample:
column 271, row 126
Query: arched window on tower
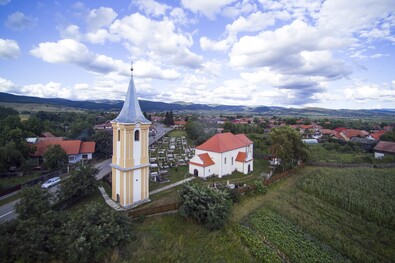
column 137, row 135
column 119, row 135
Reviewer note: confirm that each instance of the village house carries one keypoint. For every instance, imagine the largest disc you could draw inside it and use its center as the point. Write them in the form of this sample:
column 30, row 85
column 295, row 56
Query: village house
column 348, row 134
column 221, row 155
column 75, row 149
column 179, row 124
column 383, row 149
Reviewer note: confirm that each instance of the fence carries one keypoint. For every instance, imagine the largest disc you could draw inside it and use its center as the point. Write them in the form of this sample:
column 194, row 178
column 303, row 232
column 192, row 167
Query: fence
column 174, row 206
column 35, row 181
column 153, row 210
column 352, row 165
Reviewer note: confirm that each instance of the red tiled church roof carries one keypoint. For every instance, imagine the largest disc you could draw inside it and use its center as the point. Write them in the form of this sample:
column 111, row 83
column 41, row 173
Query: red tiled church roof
column 241, row 157
column 224, row 142
column 206, row 159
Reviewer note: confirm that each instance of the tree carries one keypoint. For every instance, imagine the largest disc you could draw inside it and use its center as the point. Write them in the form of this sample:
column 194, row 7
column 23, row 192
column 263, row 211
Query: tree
column 34, row 202
column 103, row 141
column 206, row 206
column 81, row 182
column 34, row 125
column 10, row 156
column 389, row 136
column 93, row 232
column 286, row 144
column 169, row 118
column 55, row 157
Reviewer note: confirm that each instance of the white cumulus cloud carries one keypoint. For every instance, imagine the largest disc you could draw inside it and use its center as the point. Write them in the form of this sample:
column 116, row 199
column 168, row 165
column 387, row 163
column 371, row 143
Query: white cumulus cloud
column 9, row 49
column 208, row 8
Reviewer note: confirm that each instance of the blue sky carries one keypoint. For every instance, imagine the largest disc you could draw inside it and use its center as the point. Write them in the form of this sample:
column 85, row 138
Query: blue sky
column 332, row 54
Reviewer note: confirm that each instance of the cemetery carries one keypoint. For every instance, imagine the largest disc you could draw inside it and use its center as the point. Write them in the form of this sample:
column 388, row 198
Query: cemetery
column 169, row 159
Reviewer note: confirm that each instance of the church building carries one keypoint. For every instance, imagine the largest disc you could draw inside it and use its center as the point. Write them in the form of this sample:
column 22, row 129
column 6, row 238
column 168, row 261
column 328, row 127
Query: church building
column 130, row 159
column 221, row 155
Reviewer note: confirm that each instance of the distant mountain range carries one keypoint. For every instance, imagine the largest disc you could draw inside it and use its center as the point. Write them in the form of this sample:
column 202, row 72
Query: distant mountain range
column 154, row 106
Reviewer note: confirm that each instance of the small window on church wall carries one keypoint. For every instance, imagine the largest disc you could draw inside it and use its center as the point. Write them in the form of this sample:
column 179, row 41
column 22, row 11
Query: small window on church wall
column 232, row 160
column 119, row 135
column 137, row 135
column 225, row 160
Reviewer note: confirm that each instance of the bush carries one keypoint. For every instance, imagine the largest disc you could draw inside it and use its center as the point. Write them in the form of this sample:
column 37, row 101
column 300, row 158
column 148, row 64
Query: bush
column 206, row 206
column 234, row 195
column 260, row 188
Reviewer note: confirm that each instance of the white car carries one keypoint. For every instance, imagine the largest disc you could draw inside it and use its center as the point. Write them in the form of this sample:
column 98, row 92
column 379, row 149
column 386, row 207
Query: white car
column 51, row 182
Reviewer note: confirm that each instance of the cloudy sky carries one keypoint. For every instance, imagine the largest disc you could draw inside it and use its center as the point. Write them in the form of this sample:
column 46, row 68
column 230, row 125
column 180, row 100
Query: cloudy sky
column 306, row 53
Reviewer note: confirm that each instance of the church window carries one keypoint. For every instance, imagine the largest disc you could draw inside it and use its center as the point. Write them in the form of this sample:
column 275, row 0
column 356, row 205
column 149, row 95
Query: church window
column 225, row 161
column 137, row 135
column 119, row 135
column 232, row 160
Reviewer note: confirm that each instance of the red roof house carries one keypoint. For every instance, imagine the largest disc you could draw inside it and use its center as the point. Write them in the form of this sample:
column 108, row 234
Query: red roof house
column 376, row 135
column 75, row 149
column 384, row 148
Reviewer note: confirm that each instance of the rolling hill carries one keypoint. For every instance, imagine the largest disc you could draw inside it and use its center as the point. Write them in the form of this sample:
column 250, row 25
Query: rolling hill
column 155, row 106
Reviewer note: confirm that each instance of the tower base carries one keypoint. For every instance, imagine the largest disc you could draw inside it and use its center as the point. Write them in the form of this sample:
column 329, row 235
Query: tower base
column 135, row 204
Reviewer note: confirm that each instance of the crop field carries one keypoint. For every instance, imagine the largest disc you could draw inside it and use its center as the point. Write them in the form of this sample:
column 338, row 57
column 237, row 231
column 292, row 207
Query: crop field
column 296, row 245
column 315, row 215
column 366, row 192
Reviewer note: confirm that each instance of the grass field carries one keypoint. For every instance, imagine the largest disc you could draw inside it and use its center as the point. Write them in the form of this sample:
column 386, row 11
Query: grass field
column 177, row 133
column 288, row 223
column 320, row 154
column 33, row 107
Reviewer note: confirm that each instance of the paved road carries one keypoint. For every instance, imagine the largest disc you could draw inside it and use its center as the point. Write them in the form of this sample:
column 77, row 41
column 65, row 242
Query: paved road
column 161, row 130
column 7, row 211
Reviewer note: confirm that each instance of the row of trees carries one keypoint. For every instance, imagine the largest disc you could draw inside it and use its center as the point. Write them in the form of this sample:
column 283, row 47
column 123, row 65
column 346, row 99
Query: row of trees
column 41, row 234
column 15, row 151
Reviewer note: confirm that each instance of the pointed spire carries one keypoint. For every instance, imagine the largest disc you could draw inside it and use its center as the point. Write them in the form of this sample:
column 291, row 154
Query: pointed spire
column 131, row 111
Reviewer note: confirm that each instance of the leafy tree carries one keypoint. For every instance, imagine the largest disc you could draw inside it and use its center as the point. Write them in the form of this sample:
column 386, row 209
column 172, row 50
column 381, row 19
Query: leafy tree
column 169, row 118
column 10, row 156
column 7, row 111
column 81, row 182
column 103, row 141
column 207, row 206
column 34, row 125
column 286, row 144
column 34, row 202
column 229, row 127
column 389, row 136
column 86, row 235
column 36, row 238
column 55, row 157
column 93, row 232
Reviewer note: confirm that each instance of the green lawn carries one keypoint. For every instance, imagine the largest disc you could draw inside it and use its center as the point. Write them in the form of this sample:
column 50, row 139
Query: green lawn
column 175, row 175
column 172, row 238
column 320, row 154
column 177, row 133
column 8, row 182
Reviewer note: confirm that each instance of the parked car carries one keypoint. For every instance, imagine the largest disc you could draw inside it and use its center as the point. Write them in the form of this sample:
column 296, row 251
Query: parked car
column 51, row 182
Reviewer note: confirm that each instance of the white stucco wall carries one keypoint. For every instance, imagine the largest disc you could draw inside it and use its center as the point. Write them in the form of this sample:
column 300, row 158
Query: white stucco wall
column 222, row 168
column 378, row 155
